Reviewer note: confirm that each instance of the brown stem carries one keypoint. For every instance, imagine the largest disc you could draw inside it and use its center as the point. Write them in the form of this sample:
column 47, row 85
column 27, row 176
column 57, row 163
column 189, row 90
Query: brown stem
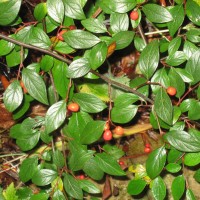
column 142, row 33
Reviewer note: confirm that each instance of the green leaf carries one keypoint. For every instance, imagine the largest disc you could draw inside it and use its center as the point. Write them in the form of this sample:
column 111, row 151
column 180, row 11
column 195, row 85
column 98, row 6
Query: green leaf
column 40, row 11
column 177, row 82
column 192, row 159
column 63, row 47
column 89, row 103
column 73, row 9
column 13, row 96
column 61, row 81
column 79, row 39
column 186, row 77
column 108, row 164
column 119, row 22
column 123, row 39
column 92, row 132
column 176, row 59
column 46, row 63
column 55, row 116
column 173, row 167
column 94, row 25
column 24, row 193
column 39, row 38
column 121, row 6
column 183, row 141
column 5, row 47
column 55, row 10
column 78, row 68
column 156, row 13
column 163, row 106
column 189, row 49
column 190, row 195
column 192, row 66
column 28, row 168
column 149, row 59
column 192, row 11
column 44, row 177
column 193, row 35
column 58, row 195
column 174, row 45
column 89, row 187
column 113, row 150
column 10, row 193
column 187, row 104
column 156, row 162
column 194, row 112
column 72, row 187
column 9, row 11
column 34, row 85
column 177, row 13
column 58, row 158
column 92, row 169
column 123, row 115
column 160, row 76
column 40, row 196
column 139, row 43
column 197, row 176
column 97, row 55
column 135, row 187
column 158, row 189
column 178, row 187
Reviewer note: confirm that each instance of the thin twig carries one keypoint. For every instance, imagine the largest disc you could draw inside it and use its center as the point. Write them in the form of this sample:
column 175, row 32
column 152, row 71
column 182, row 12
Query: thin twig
column 142, row 34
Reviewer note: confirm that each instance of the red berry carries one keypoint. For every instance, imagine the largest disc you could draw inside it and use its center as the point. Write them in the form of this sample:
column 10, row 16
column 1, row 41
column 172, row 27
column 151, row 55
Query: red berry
column 147, row 150
column 60, row 35
column 134, row 15
column 118, row 130
column 147, row 145
column 171, row 91
column 81, row 176
column 107, row 135
column 72, row 27
column 121, row 162
column 74, row 107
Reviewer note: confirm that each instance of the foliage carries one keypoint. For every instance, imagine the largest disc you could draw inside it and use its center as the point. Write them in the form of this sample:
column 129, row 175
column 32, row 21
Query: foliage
column 75, row 41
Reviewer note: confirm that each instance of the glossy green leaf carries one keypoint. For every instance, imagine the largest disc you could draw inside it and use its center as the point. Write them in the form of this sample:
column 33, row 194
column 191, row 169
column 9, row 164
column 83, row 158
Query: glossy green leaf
column 92, row 132
column 58, row 195
column 177, row 82
column 187, row 104
column 39, row 38
column 94, row 25
column 194, row 112
column 192, row 11
column 34, row 85
column 174, row 156
column 9, row 11
column 58, row 158
column 183, row 141
column 63, row 47
column 197, row 176
column 13, row 96
column 73, row 9
column 89, row 102
column 192, row 159
column 40, row 11
column 61, row 81
column 156, row 162
column 24, row 34
column 177, row 13
column 158, row 189
column 163, row 106
column 125, row 100
column 108, row 164
column 113, row 150
column 10, row 193
column 123, row 115
column 190, row 195
column 189, row 49
column 178, row 187
column 79, row 39
column 55, row 116
column 119, row 22
column 24, row 193
column 98, row 55
column 28, row 168
column 173, row 167
column 89, row 187
column 186, row 77
column 55, row 10
column 156, row 13
column 5, row 47
column 176, row 59
column 192, row 66
column 92, row 169
column 41, row 196
column 139, row 43
column 72, row 187
column 149, row 58
column 174, row 45
column 123, row 39
column 46, row 63
column 78, row 68
column 44, row 177
column 193, row 35
column 135, row 187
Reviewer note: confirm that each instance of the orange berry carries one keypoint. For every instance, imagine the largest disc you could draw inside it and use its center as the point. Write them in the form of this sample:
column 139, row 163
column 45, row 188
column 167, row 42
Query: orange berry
column 118, row 130
column 72, row 27
column 74, row 107
column 60, row 35
column 171, row 91
column 134, row 15
column 147, row 149
column 107, row 135
column 23, row 87
column 147, row 145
